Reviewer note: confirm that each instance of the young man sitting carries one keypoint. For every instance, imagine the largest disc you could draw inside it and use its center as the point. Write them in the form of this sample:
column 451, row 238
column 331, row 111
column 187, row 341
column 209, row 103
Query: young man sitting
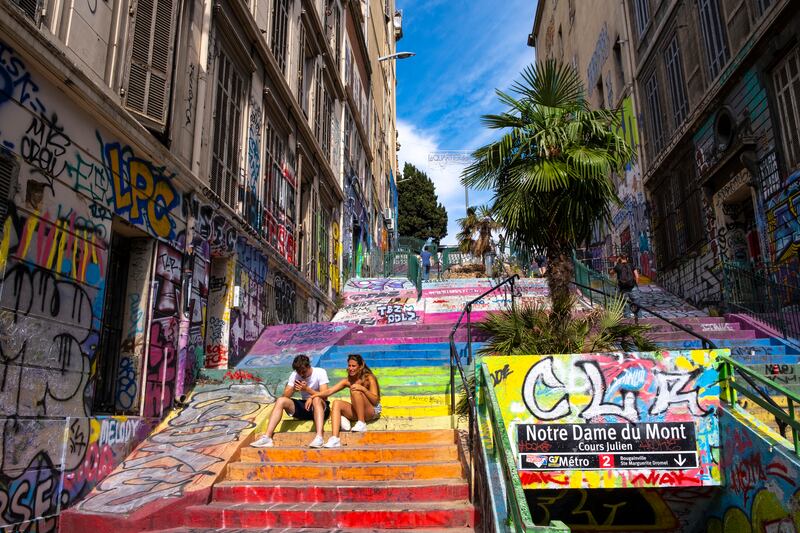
column 306, row 380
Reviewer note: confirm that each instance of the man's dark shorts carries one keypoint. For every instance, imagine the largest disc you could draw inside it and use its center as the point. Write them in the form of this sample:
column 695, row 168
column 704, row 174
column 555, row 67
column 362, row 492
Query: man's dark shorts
column 301, row 413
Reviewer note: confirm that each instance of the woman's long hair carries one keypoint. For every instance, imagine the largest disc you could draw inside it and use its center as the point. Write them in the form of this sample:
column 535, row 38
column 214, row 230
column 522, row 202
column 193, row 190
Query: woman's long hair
column 364, row 370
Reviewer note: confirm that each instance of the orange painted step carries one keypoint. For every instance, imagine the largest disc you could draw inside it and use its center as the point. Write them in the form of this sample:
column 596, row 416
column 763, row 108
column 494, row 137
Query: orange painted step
column 333, row 515
column 341, row 491
column 306, row 472
column 351, row 454
column 430, row 437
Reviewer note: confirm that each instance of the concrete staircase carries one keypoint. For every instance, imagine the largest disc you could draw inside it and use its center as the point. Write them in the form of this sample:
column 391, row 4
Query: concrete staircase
column 377, row 480
column 766, row 354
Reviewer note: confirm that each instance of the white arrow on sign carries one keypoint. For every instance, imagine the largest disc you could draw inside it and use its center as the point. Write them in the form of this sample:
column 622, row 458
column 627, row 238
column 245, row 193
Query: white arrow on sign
column 680, row 461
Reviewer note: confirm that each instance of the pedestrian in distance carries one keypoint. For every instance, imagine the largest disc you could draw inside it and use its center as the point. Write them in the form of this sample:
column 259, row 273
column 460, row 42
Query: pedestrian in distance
column 627, row 280
column 364, row 404
column 308, row 381
column 425, row 256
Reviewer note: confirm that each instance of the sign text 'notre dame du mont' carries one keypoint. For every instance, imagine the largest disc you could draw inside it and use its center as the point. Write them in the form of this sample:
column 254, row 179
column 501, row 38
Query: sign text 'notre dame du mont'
column 660, row 445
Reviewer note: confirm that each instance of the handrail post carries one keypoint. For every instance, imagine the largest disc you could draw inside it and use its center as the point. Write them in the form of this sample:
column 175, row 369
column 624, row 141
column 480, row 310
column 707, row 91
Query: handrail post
column 452, row 375
column 727, row 377
column 469, row 334
column 795, row 435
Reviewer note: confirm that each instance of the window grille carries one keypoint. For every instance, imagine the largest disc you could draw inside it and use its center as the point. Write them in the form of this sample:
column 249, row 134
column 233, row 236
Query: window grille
column 677, row 85
column 227, row 131
column 714, row 38
column 280, row 23
column 786, row 78
column 642, row 15
column 657, row 133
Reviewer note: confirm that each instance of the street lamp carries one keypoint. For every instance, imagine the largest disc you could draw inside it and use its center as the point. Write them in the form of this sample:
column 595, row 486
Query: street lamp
column 397, row 55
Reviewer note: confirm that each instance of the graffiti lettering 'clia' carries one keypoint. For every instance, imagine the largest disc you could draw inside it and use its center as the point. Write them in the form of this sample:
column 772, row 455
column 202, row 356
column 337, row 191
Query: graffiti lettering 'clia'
column 672, row 389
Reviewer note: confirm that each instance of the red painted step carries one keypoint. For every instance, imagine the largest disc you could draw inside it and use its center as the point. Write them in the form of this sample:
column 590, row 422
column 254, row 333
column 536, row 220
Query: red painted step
column 314, row 530
column 332, row 515
column 340, row 491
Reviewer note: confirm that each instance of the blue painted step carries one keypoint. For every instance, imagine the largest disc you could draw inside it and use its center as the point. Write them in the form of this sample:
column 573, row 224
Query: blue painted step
column 366, row 348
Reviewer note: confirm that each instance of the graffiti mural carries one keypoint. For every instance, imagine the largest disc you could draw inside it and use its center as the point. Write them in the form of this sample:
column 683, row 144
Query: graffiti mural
column 250, row 317
column 634, row 420
column 763, row 482
column 162, row 358
column 278, row 345
column 184, row 453
column 285, row 299
column 220, row 300
column 380, row 301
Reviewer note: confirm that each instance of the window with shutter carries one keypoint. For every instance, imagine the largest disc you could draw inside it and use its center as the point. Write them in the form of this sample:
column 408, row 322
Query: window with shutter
column 227, row 131
column 31, row 8
column 9, row 170
column 280, row 23
column 150, row 55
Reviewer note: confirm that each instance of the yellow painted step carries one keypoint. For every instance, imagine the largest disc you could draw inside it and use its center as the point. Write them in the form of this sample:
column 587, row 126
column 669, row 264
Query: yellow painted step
column 415, row 400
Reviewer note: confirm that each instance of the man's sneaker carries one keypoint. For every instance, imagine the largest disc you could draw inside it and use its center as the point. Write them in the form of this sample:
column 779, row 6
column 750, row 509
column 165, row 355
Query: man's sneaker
column 345, row 424
column 263, row 442
column 316, row 443
column 334, row 442
column 360, row 427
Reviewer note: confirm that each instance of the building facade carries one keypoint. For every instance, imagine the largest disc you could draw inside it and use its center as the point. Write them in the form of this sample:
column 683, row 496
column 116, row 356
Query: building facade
column 718, row 89
column 593, row 38
column 176, row 176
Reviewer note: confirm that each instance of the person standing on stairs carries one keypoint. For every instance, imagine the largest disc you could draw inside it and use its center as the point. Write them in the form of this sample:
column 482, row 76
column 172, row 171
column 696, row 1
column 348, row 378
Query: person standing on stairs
column 364, row 404
column 627, row 281
column 309, row 382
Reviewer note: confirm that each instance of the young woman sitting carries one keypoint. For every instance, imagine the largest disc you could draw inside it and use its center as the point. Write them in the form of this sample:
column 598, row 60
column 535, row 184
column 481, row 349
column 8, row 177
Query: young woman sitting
column 364, row 404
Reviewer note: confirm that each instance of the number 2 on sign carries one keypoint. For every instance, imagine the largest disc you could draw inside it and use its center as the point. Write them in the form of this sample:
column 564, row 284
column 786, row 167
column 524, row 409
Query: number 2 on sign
column 606, row 461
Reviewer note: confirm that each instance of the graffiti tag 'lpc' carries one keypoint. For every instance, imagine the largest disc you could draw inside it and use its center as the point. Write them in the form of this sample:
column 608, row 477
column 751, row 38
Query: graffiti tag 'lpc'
column 141, row 191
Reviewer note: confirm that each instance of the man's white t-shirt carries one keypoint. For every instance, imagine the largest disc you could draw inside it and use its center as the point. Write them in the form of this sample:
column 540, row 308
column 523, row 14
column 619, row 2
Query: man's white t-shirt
column 318, row 377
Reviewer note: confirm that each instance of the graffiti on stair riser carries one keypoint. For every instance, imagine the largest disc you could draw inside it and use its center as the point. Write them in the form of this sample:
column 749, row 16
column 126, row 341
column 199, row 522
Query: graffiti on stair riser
column 763, row 484
column 186, row 449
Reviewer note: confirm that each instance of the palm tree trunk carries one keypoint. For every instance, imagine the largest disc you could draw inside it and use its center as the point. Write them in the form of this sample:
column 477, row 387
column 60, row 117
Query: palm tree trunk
column 560, row 273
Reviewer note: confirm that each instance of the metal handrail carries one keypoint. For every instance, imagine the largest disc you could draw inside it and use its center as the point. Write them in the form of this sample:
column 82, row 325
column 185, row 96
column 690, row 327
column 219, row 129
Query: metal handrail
column 729, row 368
column 455, row 363
column 517, row 505
column 708, row 344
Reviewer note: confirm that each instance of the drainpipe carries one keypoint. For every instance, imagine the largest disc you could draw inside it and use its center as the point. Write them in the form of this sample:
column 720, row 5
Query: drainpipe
column 113, row 43
column 202, row 68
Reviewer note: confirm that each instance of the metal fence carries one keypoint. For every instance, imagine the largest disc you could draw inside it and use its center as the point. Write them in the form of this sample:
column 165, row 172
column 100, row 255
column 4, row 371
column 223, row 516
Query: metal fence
column 758, row 295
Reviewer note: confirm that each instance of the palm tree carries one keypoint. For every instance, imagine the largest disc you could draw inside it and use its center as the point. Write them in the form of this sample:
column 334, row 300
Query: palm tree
column 475, row 236
column 551, row 169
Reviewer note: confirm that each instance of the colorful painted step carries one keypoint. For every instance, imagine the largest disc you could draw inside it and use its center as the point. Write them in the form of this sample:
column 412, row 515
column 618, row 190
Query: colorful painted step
column 377, row 480
column 404, row 423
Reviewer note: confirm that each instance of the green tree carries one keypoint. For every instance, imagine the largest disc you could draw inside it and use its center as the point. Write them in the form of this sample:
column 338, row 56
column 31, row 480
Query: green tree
column 420, row 213
column 551, row 168
column 477, row 227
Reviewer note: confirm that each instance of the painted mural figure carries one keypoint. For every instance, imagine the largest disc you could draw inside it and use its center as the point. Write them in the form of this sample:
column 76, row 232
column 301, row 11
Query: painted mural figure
column 309, row 382
column 364, row 404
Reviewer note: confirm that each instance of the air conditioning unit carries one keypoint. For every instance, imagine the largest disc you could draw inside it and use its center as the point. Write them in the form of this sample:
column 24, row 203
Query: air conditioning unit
column 387, row 213
column 389, row 223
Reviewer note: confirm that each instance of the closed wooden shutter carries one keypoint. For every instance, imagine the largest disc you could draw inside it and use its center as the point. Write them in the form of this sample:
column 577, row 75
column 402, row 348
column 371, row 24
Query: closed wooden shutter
column 32, row 8
column 150, row 60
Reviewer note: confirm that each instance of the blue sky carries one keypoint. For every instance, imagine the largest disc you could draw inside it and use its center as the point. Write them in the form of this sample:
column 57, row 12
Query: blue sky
column 465, row 49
